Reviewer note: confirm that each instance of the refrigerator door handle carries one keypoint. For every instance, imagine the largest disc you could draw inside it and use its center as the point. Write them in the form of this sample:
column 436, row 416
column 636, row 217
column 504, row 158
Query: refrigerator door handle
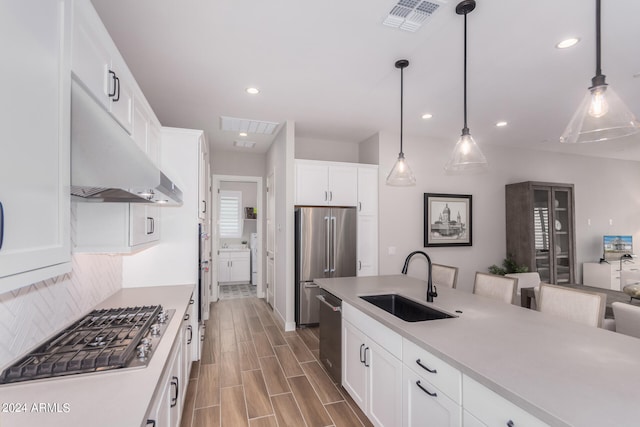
column 333, row 243
column 327, row 254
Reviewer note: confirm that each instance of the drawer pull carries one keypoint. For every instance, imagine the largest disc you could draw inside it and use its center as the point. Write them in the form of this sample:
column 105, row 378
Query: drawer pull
column 433, row 371
column 425, row 390
column 361, row 357
column 510, row 423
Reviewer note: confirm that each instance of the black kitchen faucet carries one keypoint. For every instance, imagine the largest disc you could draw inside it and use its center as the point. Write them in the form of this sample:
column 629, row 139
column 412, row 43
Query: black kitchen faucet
column 431, row 290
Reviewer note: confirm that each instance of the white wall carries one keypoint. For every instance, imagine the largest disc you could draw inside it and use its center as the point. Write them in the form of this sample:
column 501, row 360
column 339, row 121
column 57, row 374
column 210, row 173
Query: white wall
column 280, row 158
column 328, row 150
column 237, row 163
column 369, row 150
column 604, row 189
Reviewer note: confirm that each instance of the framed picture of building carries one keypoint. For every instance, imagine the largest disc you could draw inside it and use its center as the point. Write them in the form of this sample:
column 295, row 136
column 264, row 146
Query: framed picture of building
column 447, row 219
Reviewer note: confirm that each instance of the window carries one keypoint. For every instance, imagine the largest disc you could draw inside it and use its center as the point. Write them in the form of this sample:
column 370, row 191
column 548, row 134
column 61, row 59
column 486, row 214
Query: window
column 230, row 214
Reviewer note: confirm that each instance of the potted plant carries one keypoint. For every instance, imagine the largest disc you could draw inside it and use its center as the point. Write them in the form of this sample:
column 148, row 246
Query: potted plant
column 508, row 266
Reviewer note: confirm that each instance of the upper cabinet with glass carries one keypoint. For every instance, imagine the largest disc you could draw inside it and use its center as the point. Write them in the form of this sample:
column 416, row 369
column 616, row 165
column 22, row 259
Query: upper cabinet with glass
column 540, row 229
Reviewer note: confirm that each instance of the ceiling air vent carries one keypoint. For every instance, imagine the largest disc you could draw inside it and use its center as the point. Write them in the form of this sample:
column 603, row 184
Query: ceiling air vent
column 247, row 125
column 409, row 15
column 244, row 144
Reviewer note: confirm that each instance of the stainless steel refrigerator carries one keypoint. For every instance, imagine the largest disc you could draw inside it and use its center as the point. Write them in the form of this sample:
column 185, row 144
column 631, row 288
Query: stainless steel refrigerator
column 325, row 247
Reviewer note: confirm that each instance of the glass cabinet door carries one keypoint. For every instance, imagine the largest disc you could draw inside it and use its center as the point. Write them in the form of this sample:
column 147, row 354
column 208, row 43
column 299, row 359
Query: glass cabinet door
column 542, row 241
column 562, row 235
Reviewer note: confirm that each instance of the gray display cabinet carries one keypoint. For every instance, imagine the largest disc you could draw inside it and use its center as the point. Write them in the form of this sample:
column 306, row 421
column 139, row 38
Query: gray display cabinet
column 540, row 229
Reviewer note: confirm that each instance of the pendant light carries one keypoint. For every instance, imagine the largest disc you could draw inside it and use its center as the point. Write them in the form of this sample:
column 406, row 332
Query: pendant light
column 602, row 116
column 466, row 156
column 401, row 174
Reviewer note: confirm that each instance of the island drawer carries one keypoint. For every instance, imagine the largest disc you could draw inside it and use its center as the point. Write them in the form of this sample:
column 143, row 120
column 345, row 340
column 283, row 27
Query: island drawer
column 493, row 409
column 385, row 337
column 439, row 373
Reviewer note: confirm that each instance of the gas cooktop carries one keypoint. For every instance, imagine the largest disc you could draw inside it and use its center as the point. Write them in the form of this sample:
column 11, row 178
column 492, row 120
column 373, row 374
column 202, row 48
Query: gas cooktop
column 100, row 341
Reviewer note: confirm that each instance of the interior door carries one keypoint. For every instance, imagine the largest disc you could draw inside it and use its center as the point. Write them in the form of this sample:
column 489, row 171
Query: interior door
column 271, row 234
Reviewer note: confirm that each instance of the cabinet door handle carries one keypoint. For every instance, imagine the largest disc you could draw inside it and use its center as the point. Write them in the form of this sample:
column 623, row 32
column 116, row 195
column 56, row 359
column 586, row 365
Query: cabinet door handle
column 174, row 399
column 113, row 79
column 359, row 206
column 204, row 210
column 365, row 357
column 117, row 97
column 152, row 422
column 425, row 390
column 186, row 316
column 510, row 423
column 326, row 196
column 150, row 225
column 361, row 356
column 330, row 195
column 1, row 225
column 359, row 265
column 190, row 334
column 433, row 371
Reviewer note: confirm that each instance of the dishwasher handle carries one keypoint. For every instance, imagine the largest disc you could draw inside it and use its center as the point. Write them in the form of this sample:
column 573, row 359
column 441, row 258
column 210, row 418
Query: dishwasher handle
column 324, row 301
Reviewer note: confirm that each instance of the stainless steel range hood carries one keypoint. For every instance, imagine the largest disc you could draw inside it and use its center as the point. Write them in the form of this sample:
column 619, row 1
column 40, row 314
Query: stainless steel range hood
column 106, row 163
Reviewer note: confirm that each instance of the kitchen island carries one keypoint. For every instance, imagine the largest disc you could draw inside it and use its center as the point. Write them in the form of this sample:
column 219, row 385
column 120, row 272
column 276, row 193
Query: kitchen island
column 562, row 373
column 119, row 397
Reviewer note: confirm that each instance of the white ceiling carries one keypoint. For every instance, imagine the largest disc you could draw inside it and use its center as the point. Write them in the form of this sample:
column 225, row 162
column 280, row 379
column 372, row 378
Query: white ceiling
column 329, row 66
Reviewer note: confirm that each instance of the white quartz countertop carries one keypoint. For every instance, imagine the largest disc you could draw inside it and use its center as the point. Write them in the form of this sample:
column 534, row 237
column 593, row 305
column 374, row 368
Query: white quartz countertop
column 234, row 249
column 564, row 373
column 113, row 398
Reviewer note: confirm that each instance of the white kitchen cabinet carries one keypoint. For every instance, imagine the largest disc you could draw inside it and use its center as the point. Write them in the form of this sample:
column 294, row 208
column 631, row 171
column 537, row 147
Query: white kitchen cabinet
column 34, row 164
column 146, row 131
column 433, row 369
column 492, row 409
column 97, row 64
column 204, row 180
column 115, row 227
column 371, row 374
column 320, row 183
column 607, row 275
column 354, row 372
column 425, row 404
column 234, row 266
column 367, row 245
column 166, row 407
column 144, row 224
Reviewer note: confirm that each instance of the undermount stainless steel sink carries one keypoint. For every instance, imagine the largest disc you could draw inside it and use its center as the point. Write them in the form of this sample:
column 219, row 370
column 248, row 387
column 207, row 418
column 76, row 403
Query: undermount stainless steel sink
column 404, row 308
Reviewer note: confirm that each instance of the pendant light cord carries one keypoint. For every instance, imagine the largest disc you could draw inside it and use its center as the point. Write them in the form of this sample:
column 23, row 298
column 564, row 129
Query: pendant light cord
column 598, row 69
column 598, row 79
column 465, row 130
column 401, row 104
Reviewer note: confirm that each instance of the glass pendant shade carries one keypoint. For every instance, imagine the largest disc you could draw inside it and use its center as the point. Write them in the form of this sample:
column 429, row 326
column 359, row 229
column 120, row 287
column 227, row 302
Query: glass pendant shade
column 401, row 174
column 602, row 116
column 466, row 156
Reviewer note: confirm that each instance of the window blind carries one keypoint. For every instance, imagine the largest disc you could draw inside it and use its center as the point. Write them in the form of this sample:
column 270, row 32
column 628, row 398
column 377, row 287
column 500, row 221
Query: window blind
column 230, row 214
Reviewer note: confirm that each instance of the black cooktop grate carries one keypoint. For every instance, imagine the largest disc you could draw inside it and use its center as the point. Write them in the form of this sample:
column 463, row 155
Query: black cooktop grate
column 102, row 340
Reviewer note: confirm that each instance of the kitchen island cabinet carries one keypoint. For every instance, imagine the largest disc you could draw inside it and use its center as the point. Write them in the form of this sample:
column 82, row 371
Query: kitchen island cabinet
column 528, row 367
column 34, row 164
column 114, row 398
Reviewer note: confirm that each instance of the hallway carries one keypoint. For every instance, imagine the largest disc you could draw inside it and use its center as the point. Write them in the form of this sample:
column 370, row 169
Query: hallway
column 253, row 374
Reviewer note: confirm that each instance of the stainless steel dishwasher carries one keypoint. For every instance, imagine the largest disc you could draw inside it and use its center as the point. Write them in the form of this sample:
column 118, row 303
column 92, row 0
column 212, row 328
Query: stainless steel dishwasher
column 331, row 334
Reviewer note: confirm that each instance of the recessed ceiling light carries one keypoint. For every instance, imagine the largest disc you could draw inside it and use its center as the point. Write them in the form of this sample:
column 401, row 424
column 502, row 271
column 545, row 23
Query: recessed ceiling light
column 564, row 44
column 252, row 90
column 427, row 116
column 501, row 124
column 242, row 134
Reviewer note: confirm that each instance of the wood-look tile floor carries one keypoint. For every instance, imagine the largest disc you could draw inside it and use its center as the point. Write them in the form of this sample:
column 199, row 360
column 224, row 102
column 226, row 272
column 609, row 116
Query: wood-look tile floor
column 254, row 374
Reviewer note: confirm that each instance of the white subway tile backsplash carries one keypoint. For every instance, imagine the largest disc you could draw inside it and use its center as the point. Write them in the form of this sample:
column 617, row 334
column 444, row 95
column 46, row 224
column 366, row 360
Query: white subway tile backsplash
column 29, row 315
